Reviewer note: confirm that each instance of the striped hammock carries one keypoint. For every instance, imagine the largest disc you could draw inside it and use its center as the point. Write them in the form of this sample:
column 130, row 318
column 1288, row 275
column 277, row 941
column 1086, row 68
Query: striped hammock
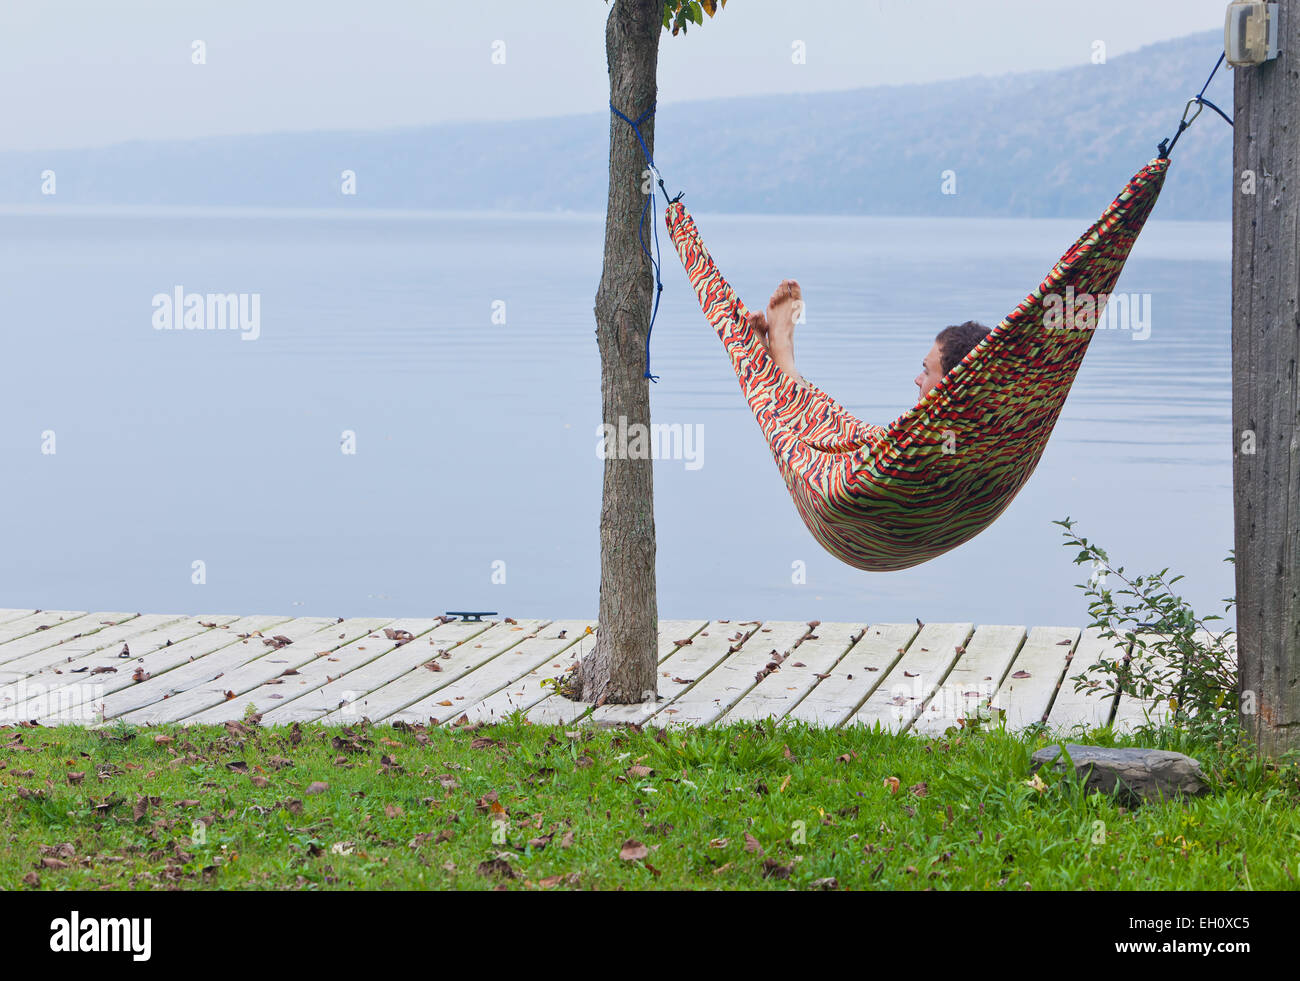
column 890, row 498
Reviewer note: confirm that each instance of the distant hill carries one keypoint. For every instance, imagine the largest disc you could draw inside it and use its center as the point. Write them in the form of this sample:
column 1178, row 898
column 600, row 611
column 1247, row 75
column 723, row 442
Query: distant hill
column 1044, row 144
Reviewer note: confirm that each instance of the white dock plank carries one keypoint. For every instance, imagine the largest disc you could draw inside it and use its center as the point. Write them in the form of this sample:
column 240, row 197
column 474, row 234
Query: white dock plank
column 914, row 677
column 528, row 692
column 105, row 642
column 272, row 663
column 711, row 696
column 59, row 631
column 279, row 689
column 95, row 652
column 709, row 645
column 853, row 679
column 26, row 694
column 1025, row 700
column 70, row 667
column 525, row 692
column 137, row 701
column 77, row 700
column 468, row 691
column 421, row 682
column 679, row 666
column 779, row 691
column 34, row 622
column 343, row 693
column 970, row 686
column 1080, row 708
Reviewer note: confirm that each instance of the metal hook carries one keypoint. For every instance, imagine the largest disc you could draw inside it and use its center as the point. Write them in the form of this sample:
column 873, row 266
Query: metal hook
column 1192, row 102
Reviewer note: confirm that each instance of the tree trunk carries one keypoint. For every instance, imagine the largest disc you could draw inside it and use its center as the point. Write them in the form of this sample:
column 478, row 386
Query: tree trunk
column 1265, row 393
column 621, row 668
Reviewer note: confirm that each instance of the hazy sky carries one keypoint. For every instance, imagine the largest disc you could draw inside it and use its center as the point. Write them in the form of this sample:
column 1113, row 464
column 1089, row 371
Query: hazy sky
column 90, row 72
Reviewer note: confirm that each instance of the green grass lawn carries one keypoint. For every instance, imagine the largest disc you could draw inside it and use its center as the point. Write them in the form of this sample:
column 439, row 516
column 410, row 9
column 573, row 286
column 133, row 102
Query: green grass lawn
column 524, row 807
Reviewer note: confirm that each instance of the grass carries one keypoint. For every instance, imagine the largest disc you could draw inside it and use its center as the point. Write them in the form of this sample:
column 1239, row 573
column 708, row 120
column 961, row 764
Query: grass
column 521, row 807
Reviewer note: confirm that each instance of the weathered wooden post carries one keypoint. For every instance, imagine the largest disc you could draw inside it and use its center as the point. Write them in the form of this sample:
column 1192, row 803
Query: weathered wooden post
column 1265, row 388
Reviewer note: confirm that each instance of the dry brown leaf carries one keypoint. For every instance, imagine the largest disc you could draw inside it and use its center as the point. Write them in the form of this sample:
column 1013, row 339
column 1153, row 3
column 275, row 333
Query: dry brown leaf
column 633, row 851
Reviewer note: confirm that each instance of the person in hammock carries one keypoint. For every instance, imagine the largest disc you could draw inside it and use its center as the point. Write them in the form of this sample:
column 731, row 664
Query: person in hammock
column 775, row 329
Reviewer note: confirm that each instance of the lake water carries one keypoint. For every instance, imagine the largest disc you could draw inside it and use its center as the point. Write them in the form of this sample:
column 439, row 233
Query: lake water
column 476, row 441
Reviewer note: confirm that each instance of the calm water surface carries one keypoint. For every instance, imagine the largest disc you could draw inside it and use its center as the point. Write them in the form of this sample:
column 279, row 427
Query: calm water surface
column 475, row 441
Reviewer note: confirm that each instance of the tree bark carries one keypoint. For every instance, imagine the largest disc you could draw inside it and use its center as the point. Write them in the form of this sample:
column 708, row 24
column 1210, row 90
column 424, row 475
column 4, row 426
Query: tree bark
column 1265, row 394
column 622, row 666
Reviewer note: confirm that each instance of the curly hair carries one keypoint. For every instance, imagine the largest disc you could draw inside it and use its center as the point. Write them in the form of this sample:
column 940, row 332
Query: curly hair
column 958, row 341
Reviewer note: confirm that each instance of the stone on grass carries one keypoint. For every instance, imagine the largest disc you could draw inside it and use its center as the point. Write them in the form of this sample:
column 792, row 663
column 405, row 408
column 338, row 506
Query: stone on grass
column 1133, row 773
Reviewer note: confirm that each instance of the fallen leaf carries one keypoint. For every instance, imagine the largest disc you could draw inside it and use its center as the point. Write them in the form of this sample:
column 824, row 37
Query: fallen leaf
column 633, row 851
column 496, row 866
column 772, row 869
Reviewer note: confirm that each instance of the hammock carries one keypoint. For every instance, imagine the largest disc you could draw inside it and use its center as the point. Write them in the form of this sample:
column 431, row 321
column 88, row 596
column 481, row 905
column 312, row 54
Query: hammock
column 883, row 499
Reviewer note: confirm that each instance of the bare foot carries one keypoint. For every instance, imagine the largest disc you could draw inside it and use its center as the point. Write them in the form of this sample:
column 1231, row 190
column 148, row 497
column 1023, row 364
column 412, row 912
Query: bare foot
column 758, row 324
column 783, row 310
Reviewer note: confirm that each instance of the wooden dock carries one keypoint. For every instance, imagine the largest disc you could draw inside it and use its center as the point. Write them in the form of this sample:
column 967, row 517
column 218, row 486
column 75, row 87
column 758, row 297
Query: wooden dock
column 63, row 667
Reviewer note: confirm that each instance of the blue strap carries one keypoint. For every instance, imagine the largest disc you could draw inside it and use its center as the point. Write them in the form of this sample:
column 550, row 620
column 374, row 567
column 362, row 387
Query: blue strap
column 640, row 232
column 1166, row 147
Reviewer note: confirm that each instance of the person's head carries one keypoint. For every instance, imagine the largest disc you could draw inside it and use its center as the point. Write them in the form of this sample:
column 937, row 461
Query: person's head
column 950, row 346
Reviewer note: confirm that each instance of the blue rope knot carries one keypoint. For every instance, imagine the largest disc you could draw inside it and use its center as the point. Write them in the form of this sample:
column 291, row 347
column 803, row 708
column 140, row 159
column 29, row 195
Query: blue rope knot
column 640, row 232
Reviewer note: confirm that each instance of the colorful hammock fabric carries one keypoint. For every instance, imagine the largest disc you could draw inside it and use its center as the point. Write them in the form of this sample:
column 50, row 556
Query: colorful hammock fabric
column 890, row 498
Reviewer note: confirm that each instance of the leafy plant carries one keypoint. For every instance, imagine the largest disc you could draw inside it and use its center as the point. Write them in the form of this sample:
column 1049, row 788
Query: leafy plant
column 680, row 14
column 122, row 731
column 1172, row 656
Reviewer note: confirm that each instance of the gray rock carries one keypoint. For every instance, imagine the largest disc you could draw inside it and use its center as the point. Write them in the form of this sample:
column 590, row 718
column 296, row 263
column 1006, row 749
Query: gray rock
column 1133, row 773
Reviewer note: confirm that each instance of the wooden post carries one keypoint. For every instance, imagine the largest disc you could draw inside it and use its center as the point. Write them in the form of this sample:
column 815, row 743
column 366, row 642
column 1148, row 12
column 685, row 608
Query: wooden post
column 1265, row 391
